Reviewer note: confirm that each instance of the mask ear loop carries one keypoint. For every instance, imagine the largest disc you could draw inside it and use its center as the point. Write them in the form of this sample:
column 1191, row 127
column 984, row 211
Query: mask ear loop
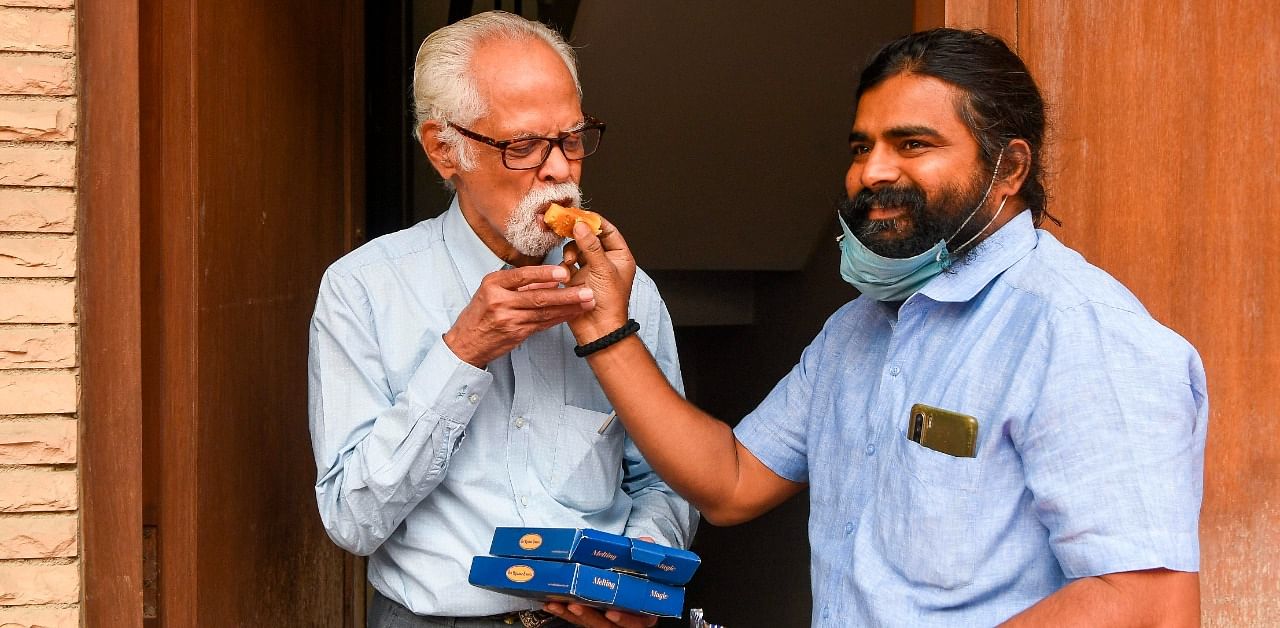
column 984, row 228
column 973, row 213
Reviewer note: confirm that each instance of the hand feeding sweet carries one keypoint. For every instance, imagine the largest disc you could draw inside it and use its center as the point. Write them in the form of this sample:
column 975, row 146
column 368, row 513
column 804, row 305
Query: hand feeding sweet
column 605, row 265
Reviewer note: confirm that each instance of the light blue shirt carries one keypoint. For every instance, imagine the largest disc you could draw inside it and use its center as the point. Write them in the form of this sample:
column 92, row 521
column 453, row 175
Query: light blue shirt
column 1090, row 449
column 421, row 455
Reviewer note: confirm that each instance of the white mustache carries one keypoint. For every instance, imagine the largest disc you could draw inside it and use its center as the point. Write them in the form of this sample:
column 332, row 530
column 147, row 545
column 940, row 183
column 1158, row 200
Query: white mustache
column 538, row 198
column 523, row 230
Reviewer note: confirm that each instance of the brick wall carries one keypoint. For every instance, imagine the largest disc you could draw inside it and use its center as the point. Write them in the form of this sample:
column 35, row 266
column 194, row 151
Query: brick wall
column 39, row 525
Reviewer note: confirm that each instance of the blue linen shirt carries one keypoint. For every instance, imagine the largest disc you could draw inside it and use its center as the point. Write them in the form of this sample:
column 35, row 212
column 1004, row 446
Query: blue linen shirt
column 421, row 455
column 1090, row 450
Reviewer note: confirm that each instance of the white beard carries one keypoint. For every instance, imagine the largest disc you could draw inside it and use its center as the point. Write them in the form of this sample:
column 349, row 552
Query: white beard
column 525, row 229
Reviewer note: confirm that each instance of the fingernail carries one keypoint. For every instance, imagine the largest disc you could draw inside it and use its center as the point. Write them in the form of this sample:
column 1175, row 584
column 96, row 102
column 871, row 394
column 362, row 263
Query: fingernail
column 586, row 294
column 560, row 273
column 575, row 610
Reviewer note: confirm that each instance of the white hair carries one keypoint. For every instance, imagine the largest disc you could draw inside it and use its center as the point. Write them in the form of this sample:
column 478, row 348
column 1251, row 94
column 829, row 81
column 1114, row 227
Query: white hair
column 444, row 89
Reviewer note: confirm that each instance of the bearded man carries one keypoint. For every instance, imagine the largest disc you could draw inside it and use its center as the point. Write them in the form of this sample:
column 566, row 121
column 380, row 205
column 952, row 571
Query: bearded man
column 994, row 431
column 446, row 399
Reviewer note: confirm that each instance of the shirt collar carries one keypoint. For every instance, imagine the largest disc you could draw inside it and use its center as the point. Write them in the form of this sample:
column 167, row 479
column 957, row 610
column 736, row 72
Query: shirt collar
column 470, row 254
column 989, row 258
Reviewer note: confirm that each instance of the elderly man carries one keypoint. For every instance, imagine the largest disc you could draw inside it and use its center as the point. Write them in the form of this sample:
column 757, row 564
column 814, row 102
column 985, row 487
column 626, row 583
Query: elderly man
column 995, row 430
column 446, row 399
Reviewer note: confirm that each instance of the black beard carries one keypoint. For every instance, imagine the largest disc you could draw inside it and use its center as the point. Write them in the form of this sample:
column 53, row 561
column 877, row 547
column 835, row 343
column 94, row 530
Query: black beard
column 920, row 226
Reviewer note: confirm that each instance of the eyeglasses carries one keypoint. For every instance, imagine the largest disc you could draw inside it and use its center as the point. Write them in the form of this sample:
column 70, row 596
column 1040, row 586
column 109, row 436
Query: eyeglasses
column 527, row 153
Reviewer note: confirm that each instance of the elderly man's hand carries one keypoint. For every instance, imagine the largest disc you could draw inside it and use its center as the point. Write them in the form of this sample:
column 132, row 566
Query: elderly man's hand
column 580, row 615
column 511, row 305
column 605, row 265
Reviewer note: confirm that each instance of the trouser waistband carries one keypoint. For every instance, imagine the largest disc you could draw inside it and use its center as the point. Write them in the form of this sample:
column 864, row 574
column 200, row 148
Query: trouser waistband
column 385, row 612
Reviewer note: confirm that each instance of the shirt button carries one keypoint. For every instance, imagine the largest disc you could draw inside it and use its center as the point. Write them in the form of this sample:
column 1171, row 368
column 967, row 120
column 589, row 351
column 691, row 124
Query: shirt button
column 893, row 370
column 871, row 449
column 524, row 501
column 519, row 422
column 848, row 528
column 473, row 398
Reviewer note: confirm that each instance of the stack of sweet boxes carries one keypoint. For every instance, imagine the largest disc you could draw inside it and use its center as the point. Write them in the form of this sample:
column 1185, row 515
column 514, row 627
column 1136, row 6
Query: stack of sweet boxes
column 589, row 566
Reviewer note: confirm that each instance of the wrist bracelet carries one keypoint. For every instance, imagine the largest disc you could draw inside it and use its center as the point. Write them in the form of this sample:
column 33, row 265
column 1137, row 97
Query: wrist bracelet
column 610, row 338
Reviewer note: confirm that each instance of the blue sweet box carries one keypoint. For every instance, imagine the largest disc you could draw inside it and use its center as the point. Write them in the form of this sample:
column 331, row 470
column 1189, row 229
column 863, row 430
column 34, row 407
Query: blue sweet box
column 589, row 566
column 570, row 582
column 661, row 563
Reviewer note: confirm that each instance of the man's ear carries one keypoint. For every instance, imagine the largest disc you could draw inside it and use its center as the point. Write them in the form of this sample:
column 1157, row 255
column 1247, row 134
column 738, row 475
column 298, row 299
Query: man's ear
column 1015, row 167
column 439, row 153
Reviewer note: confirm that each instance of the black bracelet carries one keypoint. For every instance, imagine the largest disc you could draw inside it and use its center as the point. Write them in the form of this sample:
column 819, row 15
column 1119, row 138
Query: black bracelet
column 610, row 338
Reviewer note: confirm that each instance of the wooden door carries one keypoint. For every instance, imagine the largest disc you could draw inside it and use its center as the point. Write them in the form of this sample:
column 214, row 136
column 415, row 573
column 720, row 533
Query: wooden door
column 1165, row 162
column 251, row 162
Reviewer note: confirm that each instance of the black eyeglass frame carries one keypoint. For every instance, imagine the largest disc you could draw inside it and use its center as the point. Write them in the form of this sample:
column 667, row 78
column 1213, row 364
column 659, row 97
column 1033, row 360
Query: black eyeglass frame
column 588, row 122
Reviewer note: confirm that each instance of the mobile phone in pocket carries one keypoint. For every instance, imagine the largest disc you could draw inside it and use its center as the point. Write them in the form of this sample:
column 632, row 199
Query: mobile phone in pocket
column 944, row 431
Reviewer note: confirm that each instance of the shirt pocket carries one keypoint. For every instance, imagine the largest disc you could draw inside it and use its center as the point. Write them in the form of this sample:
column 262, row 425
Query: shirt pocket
column 927, row 515
column 585, row 467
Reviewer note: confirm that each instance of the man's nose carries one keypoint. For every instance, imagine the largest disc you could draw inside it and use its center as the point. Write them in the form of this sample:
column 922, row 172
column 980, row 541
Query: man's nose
column 880, row 167
column 557, row 168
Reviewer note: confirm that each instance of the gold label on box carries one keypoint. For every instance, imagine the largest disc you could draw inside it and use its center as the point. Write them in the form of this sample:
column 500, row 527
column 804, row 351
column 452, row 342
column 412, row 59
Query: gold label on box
column 531, row 541
column 520, row 573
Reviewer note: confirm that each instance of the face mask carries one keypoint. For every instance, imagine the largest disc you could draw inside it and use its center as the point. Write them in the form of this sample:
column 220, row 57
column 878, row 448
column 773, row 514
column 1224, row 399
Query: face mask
column 894, row 279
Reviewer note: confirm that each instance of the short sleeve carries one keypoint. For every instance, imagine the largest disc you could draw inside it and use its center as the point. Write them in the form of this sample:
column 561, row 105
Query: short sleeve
column 1114, row 449
column 776, row 432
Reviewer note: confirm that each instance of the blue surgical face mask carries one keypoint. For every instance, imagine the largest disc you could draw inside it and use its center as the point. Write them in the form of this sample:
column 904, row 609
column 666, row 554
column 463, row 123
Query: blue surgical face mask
column 894, row 279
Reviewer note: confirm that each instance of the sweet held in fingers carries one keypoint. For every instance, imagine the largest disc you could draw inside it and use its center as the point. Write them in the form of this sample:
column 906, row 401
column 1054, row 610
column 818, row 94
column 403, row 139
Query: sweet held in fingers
column 561, row 219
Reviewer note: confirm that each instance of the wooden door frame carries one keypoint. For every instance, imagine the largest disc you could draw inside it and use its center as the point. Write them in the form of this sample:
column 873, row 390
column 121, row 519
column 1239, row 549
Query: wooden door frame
column 109, row 284
column 109, row 183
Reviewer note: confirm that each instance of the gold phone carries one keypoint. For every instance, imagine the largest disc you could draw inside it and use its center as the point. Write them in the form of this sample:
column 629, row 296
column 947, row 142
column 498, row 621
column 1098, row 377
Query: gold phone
column 941, row 430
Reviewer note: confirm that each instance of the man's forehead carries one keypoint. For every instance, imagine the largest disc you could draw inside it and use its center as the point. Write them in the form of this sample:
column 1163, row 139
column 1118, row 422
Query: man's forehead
column 528, row 89
column 908, row 104
column 515, row 69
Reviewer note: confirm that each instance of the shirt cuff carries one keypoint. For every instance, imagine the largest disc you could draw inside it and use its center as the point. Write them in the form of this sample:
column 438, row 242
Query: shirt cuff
column 660, row 529
column 1096, row 555
column 449, row 386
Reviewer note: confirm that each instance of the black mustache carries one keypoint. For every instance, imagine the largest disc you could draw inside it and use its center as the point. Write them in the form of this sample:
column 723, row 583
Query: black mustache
column 910, row 198
column 855, row 210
